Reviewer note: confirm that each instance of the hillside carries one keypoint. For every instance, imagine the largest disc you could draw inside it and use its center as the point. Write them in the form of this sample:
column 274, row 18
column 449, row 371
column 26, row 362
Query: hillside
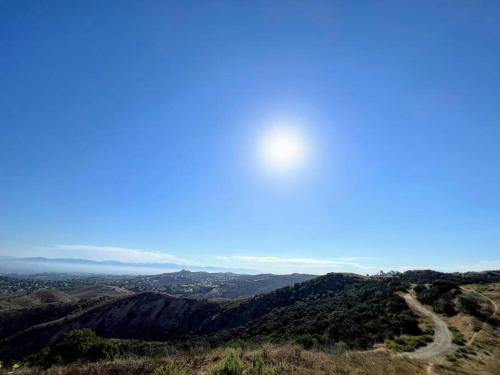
column 328, row 313
column 156, row 316
column 21, row 311
column 36, row 298
column 359, row 317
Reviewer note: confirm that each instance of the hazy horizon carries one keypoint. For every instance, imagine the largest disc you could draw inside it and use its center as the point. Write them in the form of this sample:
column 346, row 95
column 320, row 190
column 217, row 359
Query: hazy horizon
column 38, row 264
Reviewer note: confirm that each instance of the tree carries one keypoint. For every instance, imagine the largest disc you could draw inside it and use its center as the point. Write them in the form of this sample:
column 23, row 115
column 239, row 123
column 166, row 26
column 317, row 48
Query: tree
column 81, row 345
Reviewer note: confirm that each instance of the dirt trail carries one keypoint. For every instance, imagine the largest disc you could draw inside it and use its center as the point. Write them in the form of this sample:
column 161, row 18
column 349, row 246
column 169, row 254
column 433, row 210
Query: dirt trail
column 495, row 306
column 443, row 339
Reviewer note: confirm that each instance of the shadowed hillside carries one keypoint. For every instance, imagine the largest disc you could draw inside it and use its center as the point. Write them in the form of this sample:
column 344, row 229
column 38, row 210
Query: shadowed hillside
column 155, row 316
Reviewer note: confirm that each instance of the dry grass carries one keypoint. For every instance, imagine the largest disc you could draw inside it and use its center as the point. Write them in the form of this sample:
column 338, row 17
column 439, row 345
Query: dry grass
column 269, row 360
column 118, row 367
column 481, row 355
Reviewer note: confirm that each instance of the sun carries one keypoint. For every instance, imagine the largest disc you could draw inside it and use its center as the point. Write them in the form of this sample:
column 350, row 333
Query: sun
column 282, row 149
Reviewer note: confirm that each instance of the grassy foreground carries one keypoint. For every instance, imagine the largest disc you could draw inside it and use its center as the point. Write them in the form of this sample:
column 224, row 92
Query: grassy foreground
column 269, row 360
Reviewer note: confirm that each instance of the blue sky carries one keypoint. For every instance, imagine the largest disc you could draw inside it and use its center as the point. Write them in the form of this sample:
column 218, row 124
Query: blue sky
column 129, row 132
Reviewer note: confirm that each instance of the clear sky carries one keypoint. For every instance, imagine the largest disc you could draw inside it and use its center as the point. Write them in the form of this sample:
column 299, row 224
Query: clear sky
column 130, row 131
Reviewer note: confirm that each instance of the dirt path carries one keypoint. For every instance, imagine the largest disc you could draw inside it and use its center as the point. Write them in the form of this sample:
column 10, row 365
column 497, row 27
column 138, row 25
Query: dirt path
column 442, row 345
column 495, row 306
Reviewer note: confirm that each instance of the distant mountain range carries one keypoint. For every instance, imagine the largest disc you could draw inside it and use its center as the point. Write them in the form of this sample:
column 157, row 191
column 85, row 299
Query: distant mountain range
column 30, row 265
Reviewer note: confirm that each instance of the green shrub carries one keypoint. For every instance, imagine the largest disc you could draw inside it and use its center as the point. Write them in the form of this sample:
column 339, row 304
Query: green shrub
column 81, row 345
column 408, row 343
column 307, row 341
column 242, row 344
column 340, row 347
column 429, row 331
column 451, row 357
column 458, row 337
column 257, row 366
column 171, row 368
column 471, row 304
column 440, row 295
column 231, row 365
column 391, row 344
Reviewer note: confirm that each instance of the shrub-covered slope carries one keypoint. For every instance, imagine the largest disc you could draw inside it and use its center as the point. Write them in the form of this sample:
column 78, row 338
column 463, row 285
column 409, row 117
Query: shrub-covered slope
column 359, row 317
column 331, row 308
column 156, row 316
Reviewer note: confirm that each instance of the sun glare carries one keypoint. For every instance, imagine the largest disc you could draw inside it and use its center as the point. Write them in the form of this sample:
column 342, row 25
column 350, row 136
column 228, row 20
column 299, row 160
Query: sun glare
column 282, row 149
